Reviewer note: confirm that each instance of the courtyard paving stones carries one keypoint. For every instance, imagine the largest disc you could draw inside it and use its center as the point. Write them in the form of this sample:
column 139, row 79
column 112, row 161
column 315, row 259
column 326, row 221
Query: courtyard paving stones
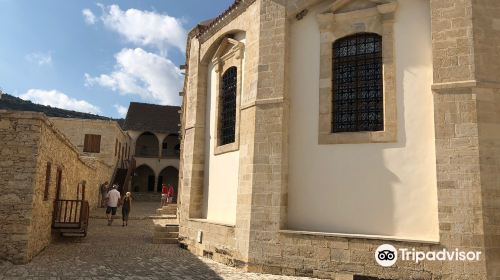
column 116, row 252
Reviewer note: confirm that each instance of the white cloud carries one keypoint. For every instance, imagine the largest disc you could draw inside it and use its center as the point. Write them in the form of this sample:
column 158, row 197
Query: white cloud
column 89, row 17
column 58, row 99
column 39, row 58
column 122, row 110
column 145, row 28
column 153, row 77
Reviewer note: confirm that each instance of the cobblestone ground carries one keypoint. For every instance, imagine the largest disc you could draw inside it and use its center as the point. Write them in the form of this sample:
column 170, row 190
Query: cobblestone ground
column 116, row 252
column 140, row 210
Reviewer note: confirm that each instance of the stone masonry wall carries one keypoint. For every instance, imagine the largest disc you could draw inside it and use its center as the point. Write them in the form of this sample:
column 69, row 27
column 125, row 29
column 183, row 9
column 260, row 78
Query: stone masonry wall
column 110, row 131
column 467, row 186
column 488, row 107
column 486, row 26
column 227, row 244
column 269, row 192
column 466, row 115
column 19, row 138
column 467, row 126
column 25, row 237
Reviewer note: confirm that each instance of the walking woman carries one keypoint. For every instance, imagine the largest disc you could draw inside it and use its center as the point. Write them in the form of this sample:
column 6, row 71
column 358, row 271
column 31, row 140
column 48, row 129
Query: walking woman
column 127, row 201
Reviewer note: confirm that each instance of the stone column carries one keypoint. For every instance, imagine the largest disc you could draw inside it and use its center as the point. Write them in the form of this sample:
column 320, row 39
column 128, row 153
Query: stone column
column 193, row 156
column 134, row 135
column 467, row 121
column 269, row 186
column 156, row 184
column 160, row 137
column 486, row 25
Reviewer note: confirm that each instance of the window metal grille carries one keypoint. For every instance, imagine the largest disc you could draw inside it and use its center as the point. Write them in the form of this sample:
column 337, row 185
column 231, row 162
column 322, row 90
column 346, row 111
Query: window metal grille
column 357, row 84
column 228, row 106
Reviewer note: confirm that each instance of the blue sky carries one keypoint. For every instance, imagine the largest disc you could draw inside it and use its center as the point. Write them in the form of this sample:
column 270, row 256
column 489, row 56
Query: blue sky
column 97, row 56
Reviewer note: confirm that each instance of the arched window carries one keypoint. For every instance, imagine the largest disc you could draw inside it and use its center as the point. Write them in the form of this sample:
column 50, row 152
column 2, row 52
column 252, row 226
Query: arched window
column 357, row 84
column 227, row 117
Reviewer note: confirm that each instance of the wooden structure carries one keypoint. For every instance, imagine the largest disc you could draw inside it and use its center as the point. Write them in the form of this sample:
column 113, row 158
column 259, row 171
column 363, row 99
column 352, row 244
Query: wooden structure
column 71, row 216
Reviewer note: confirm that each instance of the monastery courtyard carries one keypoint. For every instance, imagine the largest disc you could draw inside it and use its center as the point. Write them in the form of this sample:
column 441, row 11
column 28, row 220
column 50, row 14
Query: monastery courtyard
column 116, row 252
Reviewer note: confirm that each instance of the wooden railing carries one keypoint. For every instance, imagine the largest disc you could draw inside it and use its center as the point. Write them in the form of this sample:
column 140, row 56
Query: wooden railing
column 70, row 213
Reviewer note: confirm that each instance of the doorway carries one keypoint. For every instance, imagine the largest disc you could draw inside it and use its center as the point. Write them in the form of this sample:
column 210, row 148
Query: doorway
column 158, row 187
column 151, row 183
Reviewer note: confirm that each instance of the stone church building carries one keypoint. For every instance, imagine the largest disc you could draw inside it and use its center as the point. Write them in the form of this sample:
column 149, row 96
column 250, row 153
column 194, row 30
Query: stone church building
column 314, row 131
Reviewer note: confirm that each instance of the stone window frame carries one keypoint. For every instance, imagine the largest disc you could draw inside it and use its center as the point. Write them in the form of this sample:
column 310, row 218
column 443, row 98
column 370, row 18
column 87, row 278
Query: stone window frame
column 335, row 24
column 229, row 53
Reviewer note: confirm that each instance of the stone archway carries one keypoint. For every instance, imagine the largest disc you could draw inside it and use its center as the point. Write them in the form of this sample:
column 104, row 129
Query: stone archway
column 169, row 146
column 143, row 179
column 147, row 145
column 170, row 175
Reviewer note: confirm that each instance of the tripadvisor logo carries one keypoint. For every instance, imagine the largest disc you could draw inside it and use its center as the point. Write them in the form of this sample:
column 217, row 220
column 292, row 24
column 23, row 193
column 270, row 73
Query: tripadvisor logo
column 386, row 255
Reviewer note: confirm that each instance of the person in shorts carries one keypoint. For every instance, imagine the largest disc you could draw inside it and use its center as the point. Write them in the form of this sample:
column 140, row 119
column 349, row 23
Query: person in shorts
column 113, row 197
column 164, row 195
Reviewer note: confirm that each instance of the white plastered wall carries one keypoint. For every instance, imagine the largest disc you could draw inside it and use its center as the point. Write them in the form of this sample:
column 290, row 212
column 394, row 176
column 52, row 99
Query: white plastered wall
column 221, row 171
column 371, row 189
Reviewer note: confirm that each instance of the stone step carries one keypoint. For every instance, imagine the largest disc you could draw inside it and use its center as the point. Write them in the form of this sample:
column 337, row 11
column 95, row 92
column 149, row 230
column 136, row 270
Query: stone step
column 165, row 241
column 165, row 234
column 173, row 211
column 167, row 228
column 163, row 217
column 169, row 209
column 166, row 212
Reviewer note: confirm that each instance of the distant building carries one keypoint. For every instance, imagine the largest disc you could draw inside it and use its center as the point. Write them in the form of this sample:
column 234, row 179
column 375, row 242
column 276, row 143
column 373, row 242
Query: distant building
column 144, row 153
column 155, row 146
column 103, row 139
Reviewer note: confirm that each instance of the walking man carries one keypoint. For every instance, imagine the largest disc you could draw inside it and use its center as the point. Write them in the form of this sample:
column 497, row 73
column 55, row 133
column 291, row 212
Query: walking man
column 113, row 197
